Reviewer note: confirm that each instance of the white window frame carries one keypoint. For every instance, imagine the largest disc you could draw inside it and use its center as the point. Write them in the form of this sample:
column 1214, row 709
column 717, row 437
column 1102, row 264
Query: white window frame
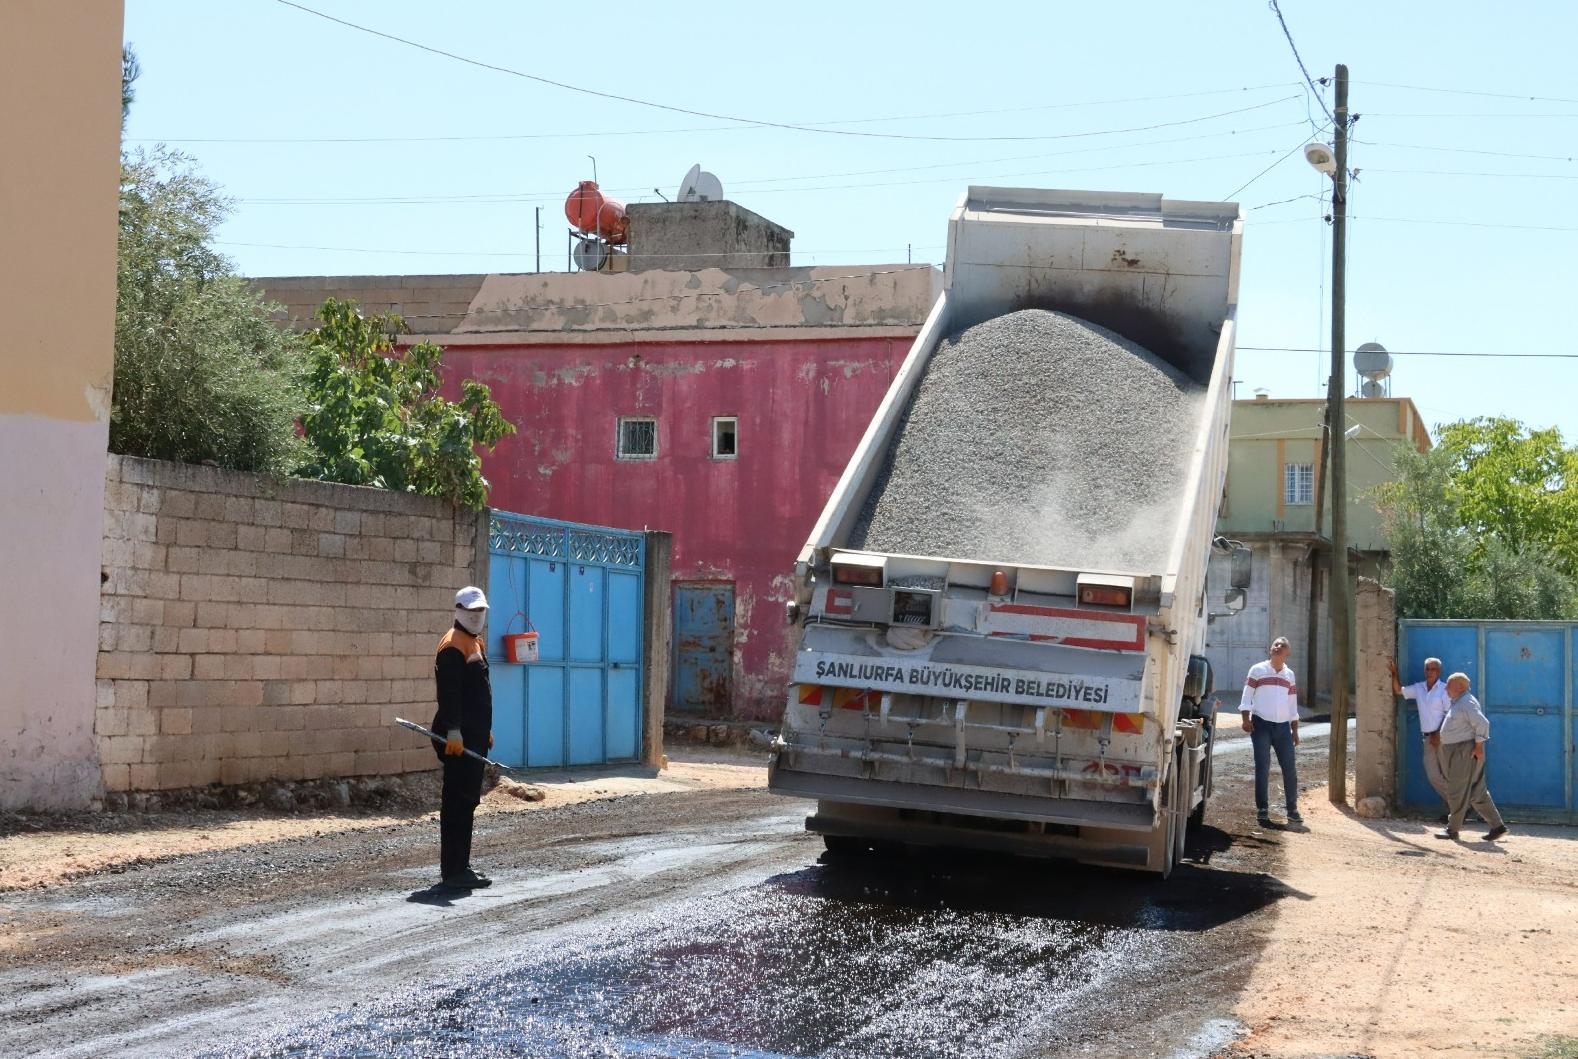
column 619, row 438
column 1298, row 484
column 734, row 422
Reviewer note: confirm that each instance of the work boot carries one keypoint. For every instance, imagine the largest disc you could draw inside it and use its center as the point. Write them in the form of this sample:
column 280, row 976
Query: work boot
column 467, row 880
column 1495, row 832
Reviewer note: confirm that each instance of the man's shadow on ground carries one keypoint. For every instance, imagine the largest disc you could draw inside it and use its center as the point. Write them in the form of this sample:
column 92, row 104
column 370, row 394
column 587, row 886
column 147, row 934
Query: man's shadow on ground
column 438, row 895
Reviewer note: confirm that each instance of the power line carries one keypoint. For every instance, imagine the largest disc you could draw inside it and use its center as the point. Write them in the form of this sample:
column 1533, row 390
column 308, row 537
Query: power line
column 513, row 200
column 1308, row 80
column 748, row 121
column 1473, row 173
column 1426, row 353
column 1398, row 114
column 813, row 125
column 1463, row 150
column 1470, row 92
column 1296, row 148
column 644, row 188
column 1433, row 220
column 1284, row 202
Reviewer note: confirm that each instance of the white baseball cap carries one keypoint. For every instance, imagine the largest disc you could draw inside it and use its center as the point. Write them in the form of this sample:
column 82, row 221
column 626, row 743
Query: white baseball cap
column 471, row 598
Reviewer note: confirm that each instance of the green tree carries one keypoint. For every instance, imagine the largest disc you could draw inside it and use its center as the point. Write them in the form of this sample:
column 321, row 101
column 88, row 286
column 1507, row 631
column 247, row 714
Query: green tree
column 131, row 69
column 1448, row 559
column 377, row 418
column 1515, row 485
column 202, row 374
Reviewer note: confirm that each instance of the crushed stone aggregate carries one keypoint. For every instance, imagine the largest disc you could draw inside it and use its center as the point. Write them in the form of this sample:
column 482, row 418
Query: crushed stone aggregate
column 1038, row 438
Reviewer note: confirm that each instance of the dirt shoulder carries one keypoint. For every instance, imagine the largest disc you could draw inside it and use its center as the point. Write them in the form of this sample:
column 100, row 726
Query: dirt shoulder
column 1399, row 944
column 46, row 849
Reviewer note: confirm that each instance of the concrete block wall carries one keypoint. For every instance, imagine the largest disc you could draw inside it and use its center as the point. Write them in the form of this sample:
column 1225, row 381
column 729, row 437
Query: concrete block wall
column 254, row 629
column 1375, row 708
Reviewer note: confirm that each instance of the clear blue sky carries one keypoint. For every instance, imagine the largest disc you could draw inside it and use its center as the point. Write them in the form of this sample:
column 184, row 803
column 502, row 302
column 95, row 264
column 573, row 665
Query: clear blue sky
column 1435, row 262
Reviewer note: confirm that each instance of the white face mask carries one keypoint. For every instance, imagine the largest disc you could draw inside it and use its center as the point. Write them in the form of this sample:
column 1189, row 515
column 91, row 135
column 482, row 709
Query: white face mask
column 471, row 620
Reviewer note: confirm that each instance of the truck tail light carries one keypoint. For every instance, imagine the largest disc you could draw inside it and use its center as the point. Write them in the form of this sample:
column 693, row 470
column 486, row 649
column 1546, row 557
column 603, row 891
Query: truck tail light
column 851, row 574
column 1105, row 596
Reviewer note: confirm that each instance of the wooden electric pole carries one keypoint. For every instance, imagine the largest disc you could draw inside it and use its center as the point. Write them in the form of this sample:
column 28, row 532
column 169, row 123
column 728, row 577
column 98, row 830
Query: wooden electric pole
column 539, row 238
column 1337, row 598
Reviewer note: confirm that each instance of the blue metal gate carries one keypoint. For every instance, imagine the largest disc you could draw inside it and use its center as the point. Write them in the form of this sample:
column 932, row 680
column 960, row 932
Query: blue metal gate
column 581, row 588
column 1523, row 676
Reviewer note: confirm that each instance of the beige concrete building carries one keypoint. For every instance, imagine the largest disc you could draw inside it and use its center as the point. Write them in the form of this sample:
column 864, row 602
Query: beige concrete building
column 60, row 114
column 1274, row 489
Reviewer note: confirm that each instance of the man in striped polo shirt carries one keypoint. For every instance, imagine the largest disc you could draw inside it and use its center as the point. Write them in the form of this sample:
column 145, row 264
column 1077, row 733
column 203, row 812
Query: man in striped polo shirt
column 1270, row 708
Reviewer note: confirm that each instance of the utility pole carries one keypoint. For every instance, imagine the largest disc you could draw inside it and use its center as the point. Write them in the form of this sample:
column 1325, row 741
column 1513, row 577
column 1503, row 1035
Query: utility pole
column 539, row 238
column 1337, row 598
column 1312, row 625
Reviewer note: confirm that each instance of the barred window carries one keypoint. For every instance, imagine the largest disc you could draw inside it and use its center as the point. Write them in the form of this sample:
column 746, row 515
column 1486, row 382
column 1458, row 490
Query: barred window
column 637, row 439
column 1298, row 483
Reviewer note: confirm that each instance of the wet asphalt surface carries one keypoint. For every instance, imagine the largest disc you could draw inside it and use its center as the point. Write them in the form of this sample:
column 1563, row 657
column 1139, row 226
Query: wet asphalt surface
column 691, row 925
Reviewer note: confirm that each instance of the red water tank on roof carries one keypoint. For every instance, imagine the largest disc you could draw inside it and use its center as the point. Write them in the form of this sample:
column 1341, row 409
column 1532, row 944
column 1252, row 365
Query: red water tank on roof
column 596, row 214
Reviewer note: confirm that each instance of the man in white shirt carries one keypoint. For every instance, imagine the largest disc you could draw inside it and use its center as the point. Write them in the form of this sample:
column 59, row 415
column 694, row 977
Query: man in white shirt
column 1270, row 709
column 1430, row 694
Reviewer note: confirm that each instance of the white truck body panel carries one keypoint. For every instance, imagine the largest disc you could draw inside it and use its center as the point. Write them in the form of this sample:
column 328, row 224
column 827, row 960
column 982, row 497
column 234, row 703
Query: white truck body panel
column 1023, row 705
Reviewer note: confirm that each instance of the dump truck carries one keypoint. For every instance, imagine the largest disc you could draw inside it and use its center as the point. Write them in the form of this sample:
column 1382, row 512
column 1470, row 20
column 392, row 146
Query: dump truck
column 1054, row 701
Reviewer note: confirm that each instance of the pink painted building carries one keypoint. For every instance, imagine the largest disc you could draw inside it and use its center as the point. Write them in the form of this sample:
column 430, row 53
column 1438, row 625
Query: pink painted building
column 720, row 405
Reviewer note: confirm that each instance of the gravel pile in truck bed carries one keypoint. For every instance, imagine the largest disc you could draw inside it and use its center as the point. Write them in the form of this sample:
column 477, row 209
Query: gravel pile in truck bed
column 1038, row 438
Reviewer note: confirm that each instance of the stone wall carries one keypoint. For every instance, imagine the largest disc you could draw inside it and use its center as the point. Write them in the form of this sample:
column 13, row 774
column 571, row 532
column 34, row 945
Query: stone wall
column 262, row 629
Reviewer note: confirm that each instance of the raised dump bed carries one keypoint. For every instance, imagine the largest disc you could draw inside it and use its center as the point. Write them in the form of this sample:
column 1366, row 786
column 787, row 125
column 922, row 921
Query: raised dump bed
column 1002, row 605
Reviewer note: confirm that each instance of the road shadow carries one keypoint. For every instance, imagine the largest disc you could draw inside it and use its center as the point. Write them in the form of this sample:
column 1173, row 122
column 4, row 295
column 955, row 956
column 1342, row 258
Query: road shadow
column 1197, row 897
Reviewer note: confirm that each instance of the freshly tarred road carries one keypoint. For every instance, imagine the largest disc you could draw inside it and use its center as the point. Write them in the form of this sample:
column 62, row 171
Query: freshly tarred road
column 694, row 924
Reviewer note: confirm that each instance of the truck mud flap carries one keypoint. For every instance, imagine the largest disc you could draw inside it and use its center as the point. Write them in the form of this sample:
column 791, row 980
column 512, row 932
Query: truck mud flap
column 994, row 804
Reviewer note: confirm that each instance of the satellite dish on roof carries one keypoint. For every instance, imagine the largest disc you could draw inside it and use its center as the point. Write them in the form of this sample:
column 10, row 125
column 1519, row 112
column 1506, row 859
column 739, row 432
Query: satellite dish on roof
column 590, row 254
column 700, row 186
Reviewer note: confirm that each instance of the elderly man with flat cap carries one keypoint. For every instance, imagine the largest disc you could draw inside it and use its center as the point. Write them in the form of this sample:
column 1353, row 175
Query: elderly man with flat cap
column 1464, row 732
column 465, row 721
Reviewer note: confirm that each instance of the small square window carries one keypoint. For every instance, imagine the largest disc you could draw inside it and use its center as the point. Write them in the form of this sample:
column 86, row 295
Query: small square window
column 725, row 437
column 1298, row 483
column 637, row 439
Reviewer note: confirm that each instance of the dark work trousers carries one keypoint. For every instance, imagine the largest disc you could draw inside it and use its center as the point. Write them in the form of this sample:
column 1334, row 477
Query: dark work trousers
column 1267, row 736
column 462, row 793
column 1465, row 776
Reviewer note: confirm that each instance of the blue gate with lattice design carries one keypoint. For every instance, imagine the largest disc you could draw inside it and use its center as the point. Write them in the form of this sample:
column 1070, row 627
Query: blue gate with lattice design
column 580, row 587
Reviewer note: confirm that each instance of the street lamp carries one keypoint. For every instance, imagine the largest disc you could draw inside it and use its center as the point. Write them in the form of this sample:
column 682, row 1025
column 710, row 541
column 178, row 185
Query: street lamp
column 1333, row 161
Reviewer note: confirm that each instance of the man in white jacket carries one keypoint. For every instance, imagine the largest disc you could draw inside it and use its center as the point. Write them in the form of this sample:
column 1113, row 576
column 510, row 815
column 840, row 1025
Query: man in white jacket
column 1270, row 709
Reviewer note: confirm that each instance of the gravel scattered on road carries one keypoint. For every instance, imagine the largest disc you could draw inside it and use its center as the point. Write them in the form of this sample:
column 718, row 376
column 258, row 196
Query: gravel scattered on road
column 1038, row 438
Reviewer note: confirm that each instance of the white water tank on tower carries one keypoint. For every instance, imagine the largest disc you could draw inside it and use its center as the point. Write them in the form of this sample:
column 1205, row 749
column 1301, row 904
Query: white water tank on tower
column 1373, row 363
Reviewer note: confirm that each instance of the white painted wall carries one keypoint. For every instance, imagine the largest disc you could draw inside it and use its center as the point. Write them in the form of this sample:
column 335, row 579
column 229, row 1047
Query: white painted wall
column 52, row 523
column 60, row 92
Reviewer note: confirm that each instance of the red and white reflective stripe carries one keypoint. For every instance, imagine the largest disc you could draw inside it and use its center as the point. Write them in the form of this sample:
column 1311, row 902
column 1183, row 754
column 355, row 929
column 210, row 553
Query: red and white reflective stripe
column 1072, row 628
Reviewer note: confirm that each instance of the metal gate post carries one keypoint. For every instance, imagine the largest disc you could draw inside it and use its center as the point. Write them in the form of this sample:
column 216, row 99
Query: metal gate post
column 656, row 644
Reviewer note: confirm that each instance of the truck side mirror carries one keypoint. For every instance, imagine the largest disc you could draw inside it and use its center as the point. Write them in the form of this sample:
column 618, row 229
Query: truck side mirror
column 1235, row 600
column 1242, row 570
